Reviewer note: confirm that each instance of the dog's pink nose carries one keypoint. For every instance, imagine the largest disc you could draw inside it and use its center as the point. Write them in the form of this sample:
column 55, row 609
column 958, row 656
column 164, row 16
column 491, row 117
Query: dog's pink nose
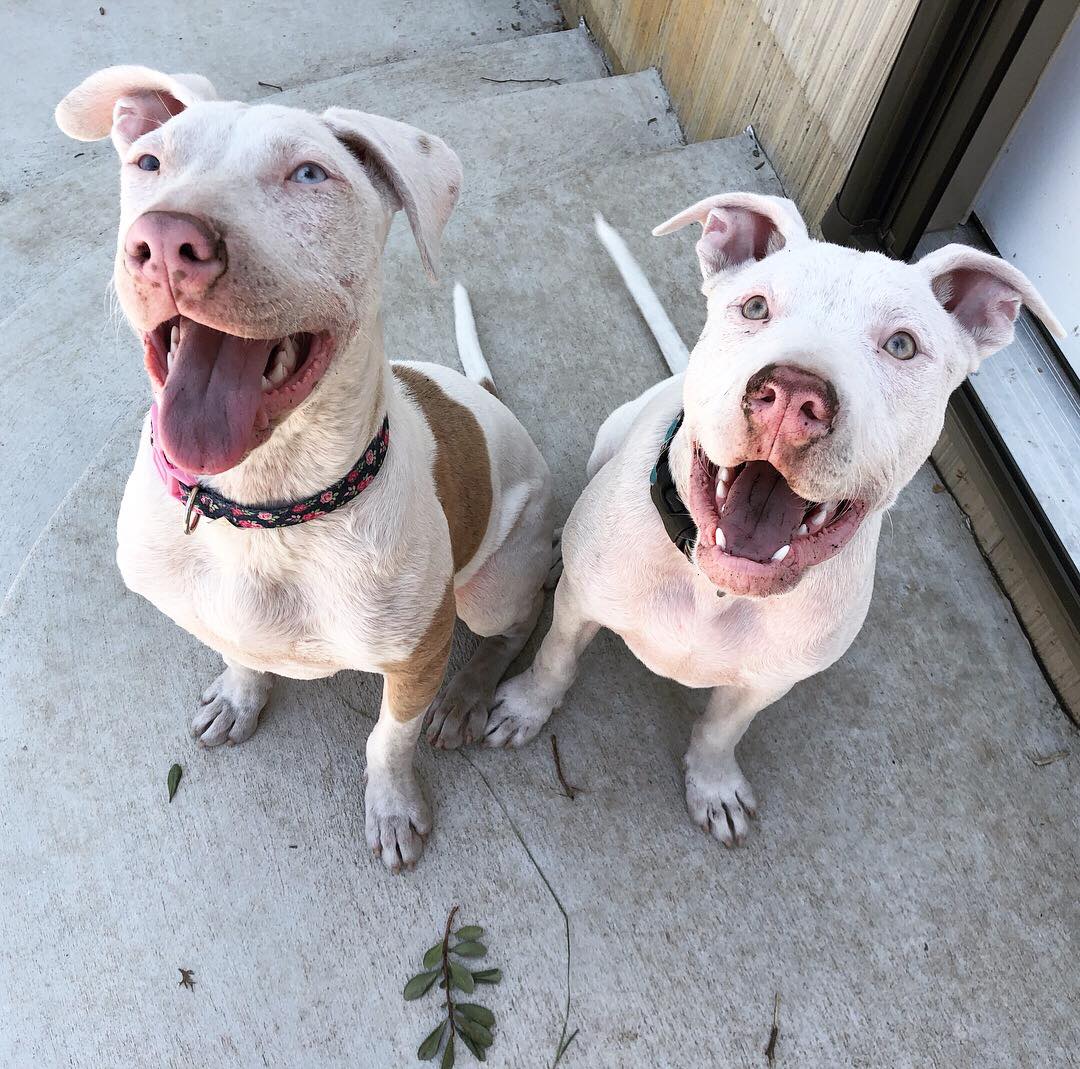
column 790, row 404
column 171, row 246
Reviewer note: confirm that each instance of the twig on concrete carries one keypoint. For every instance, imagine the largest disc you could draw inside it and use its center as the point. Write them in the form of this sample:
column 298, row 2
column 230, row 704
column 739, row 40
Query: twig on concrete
column 568, row 790
column 1049, row 758
column 446, row 969
column 564, row 1047
column 564, row 1042
column 523, row 81
column 770, row 1048
column 270, row 85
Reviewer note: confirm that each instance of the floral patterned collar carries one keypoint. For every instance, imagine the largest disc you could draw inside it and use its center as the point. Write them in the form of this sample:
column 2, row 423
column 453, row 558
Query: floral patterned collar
column 202, row 501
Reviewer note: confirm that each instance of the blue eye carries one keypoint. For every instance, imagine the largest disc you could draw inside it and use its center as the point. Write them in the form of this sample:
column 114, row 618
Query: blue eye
column 901, row 345
column 756, row 308
column 148, row 163
column 308, row 174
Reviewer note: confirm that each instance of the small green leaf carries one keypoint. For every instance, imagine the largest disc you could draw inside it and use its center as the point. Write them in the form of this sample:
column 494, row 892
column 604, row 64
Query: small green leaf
column 448, row 1054
column 470, row 950
column 174, row 779
column 430, row 1047
column 478, row 1051
column 487, row 976
column 469, row 932
column 475, row 1031
column 461, row 978
column 432, row 956
column 480, row 1014
column 419, row 984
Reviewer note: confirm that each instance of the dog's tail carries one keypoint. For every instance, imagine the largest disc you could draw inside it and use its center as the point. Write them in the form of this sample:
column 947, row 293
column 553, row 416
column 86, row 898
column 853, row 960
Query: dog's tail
column 468, row 344
column 652, row 311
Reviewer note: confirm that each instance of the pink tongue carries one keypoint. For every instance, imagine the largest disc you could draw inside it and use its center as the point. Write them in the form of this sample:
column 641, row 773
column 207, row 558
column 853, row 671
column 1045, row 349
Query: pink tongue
column 208, row 409
column 761, row 512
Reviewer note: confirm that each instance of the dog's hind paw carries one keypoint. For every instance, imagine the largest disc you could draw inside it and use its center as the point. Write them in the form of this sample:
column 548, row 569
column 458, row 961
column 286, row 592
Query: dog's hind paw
column 397, row 820
column 230, row 707
column 458, row 715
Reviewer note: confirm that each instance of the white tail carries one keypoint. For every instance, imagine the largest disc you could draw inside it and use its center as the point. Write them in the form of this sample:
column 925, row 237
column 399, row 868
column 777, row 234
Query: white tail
column 468, row 344
column 663, row 330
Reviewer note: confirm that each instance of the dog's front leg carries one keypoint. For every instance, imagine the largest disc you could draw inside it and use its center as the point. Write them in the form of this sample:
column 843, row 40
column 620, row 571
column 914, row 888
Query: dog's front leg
column 524, row 703
column 717, row 795
column 396, row 814
column 230, row 707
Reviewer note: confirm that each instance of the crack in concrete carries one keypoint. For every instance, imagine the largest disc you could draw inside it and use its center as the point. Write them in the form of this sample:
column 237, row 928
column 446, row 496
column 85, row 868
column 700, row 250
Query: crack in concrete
column 564, row 1041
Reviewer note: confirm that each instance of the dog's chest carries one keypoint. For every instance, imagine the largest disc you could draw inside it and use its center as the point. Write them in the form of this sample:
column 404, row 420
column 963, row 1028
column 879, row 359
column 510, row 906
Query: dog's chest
column 269, row 608
column 700, row 641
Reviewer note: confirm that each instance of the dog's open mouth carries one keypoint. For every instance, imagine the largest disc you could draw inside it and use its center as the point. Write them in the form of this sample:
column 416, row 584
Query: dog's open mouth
column 756, row 536
column 219, row 394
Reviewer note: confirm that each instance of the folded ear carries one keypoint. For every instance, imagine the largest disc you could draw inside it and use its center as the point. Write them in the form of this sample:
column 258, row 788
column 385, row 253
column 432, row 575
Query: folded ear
column 738, row 227
column 127, row 102
column 421, row 171
column 983, row 293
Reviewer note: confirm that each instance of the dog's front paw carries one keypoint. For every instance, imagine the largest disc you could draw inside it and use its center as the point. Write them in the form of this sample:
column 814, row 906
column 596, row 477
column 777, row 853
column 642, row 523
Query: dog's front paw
column 519, row 712
column 721, row 803
column 397, row 819
column 230, row 707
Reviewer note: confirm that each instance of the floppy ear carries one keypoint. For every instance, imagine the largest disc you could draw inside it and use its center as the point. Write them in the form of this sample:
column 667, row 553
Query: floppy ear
column 127, row 102
column 422, row 171
column 983, row 293
column 738, row 227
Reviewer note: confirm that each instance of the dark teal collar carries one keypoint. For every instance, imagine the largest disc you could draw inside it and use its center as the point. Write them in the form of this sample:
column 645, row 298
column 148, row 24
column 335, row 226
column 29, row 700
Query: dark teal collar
column 677, row 521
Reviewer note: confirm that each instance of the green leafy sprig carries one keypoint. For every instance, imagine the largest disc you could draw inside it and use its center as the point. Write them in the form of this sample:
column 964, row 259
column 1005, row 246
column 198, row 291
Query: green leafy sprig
column 467, row 1021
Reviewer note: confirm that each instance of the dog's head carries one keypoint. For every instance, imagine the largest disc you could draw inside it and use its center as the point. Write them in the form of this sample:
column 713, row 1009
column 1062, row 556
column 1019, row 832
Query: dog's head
column 819, row 383
column 249, row 243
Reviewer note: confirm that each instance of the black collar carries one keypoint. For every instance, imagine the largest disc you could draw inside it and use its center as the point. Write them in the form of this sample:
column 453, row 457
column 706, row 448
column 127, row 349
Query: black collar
column 677, row 521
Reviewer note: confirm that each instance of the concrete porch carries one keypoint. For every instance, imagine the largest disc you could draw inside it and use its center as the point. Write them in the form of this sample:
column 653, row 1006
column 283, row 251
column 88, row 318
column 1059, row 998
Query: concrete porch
column 909, row 890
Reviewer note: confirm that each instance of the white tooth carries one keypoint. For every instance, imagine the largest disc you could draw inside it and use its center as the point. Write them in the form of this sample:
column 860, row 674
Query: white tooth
column 819, row 517
column 721, row 541
column 266, row 383
column 721, row 491
column 278, row 374
column 169, row 357
column 781, row 553
column 174, row 338
column 802, row 530
column 287, row 354
column 725, row 475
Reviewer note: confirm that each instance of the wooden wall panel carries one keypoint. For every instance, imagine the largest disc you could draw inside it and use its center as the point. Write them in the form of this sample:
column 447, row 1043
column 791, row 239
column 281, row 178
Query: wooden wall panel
column 806, row 73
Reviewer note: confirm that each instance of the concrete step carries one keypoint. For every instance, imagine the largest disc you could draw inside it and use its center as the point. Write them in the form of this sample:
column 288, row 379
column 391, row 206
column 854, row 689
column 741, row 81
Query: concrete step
column 901, row 809
column 71, row 369
column 52, row 44
column 396, row 89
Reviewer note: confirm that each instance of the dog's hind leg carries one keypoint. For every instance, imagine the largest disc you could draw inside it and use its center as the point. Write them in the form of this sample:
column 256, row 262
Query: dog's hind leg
column 502, row 603
column 230, row 706
column 459, row 715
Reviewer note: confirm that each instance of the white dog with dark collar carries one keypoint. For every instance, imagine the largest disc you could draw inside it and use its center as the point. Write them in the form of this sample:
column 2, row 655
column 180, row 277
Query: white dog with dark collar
column 817, row 389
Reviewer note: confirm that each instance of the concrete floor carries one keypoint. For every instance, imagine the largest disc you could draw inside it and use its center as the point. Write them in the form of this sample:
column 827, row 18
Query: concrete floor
column 909, row 890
